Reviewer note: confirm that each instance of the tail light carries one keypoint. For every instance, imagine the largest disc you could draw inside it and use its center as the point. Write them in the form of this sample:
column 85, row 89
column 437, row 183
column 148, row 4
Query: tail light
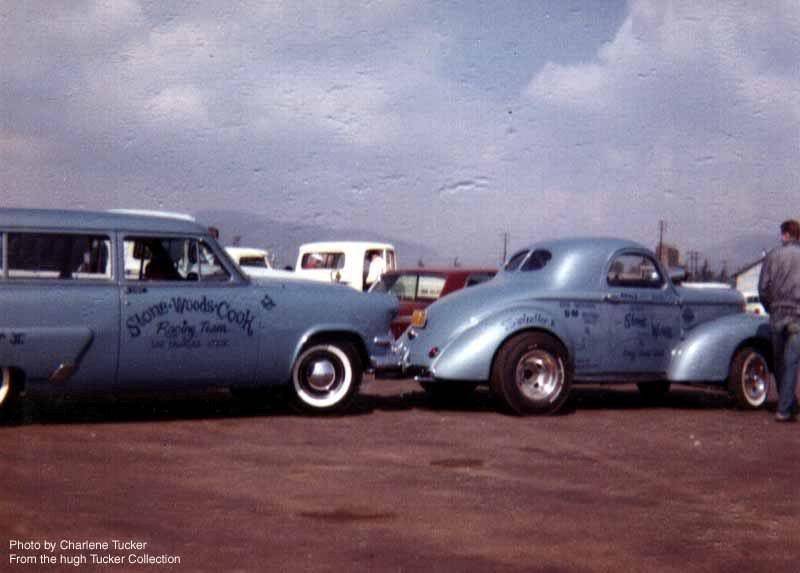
column 419, row 318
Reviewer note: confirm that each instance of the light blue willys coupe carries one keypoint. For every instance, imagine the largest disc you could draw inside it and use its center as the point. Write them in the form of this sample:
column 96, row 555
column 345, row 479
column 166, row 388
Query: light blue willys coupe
column 587, row 310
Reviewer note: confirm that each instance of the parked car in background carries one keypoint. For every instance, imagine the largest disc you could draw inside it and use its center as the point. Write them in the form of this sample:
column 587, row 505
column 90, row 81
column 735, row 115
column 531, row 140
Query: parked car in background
column 753, row 303
column 418, row 288
column 99, row 301
column 255, row 263
column 587, row 310
column 343, row 262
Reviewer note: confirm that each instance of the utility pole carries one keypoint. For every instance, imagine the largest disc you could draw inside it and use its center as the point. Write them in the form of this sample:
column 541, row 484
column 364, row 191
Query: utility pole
column 662, row 227
column 505, row 247
column 694, row 258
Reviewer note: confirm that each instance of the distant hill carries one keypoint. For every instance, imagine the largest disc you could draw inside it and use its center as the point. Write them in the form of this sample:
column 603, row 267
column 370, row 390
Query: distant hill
column 284, row 239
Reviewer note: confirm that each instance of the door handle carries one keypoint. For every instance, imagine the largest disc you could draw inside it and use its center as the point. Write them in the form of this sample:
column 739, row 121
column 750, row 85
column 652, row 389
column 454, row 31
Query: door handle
column 135, row 289
column 612, row 298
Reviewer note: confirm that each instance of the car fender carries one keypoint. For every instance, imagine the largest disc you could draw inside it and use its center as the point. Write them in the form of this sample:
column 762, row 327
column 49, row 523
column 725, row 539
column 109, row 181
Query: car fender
column 470, row 354
column 705, row 354
column 330, row 329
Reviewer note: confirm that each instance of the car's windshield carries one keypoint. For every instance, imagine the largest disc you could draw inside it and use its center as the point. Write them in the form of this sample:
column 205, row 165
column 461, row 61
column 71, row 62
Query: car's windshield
column 514, row 262
column 529, row 260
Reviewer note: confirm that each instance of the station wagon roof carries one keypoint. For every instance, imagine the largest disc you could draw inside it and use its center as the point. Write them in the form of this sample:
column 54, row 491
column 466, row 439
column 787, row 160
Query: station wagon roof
column 67, row 220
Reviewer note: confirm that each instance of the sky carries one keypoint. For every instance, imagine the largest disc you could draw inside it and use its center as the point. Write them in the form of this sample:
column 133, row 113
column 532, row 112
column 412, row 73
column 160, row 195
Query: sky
column 444, row 123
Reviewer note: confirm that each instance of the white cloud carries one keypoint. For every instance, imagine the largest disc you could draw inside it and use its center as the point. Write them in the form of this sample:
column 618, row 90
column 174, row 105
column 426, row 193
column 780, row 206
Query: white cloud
column 179, row 105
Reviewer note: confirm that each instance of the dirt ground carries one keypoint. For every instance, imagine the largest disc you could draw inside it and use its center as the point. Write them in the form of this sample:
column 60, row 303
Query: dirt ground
column 402, row 484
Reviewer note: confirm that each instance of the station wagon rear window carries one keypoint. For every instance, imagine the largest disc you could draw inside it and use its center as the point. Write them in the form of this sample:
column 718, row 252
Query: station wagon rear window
column 411, row 286
column 58, row 256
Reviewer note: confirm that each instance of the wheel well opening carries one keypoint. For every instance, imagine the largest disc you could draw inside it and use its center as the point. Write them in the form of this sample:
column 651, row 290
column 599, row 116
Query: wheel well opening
column 547, row 333
column 760, row 344
column 350, row 337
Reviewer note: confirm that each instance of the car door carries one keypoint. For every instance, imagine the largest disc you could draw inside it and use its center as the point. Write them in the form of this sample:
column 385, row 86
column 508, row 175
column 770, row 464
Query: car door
column 643, row 315
column 186, row 316
column 60, row 306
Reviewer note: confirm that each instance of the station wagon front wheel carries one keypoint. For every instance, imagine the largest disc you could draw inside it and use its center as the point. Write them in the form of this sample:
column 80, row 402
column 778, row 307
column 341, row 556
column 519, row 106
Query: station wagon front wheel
column 326, row 377
column 749, row 378
column 531, row 374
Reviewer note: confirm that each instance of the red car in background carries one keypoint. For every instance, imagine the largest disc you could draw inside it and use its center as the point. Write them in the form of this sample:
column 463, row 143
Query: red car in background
column 418, row 288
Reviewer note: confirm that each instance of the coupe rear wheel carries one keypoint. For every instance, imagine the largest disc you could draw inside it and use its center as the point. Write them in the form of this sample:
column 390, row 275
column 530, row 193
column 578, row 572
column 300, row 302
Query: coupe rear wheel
column 749, row 378
column 326, row 377
column 531, row 374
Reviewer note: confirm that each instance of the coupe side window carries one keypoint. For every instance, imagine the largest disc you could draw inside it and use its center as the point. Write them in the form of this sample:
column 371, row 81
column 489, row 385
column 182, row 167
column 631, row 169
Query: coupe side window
column 634, row 271
column 58, row 256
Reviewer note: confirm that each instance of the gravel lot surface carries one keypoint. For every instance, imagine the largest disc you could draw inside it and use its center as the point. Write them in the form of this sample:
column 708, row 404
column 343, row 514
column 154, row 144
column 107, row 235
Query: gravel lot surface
column 404, row 484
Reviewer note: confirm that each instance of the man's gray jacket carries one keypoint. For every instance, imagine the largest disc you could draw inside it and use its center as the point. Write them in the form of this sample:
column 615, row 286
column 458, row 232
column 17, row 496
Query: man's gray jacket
column 779, row 284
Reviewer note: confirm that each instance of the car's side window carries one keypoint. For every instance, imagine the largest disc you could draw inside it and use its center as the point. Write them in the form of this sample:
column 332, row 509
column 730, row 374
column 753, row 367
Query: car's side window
column 430, row 287
column 634, row 270
column 160, row 259
column 321, row 260
column 63, row 256
column 405, row 287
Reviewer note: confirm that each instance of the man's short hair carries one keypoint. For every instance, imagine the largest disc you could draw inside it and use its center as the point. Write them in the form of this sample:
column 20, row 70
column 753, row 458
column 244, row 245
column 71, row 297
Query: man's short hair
column 791, row 228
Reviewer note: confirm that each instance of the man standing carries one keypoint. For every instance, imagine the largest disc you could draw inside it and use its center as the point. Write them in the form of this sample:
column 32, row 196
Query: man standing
column 377, row 266
column 779, row 290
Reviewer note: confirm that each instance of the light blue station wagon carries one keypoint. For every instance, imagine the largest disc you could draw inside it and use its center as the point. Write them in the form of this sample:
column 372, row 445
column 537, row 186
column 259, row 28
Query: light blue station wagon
column 587, row 310
column 119, row 301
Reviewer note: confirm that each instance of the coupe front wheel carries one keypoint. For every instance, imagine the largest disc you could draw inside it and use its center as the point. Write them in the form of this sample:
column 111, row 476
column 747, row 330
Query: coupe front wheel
column 326, row 377
column 748, row 382
column 531, row 374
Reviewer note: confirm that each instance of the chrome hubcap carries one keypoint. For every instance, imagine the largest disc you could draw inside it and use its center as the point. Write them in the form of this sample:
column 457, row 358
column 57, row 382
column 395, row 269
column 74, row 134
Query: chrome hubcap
column 755, row 379
column 539, row 375
column 321, row 375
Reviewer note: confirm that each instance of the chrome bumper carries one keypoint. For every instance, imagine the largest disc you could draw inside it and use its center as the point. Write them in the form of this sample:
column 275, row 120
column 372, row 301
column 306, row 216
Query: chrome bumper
column 390, row 360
